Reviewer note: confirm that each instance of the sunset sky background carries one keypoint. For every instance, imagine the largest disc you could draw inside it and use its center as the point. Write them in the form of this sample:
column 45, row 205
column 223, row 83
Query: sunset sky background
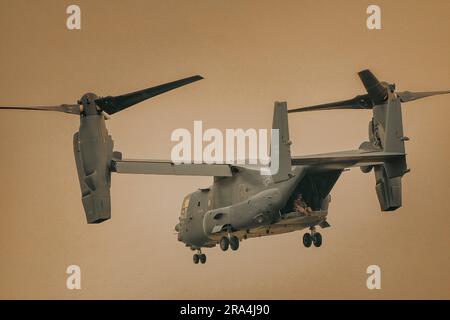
column 251, row 54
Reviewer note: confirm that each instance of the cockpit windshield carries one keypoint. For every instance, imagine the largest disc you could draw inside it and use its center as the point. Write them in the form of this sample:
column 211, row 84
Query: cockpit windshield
column 185, row 206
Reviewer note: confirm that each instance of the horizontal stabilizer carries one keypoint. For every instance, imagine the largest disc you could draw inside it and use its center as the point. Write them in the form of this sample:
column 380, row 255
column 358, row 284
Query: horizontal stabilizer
column 166, row 167
column 346, row 159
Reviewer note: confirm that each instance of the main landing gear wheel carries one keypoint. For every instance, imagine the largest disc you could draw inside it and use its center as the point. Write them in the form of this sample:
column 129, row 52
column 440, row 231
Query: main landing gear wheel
column 234, row 243
column 312, row 238
column 224, row 243
column 203, row 258
column 196, row 258
column 317, row 239
column 307, row 240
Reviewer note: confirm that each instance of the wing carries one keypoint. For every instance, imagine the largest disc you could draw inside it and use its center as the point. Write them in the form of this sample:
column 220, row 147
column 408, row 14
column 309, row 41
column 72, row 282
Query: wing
column 346, row 159
column 166, row 167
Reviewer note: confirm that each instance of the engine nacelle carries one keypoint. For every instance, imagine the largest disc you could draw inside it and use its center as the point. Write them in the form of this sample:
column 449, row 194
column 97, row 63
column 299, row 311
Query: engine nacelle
column 93, row 150
column 389, row 189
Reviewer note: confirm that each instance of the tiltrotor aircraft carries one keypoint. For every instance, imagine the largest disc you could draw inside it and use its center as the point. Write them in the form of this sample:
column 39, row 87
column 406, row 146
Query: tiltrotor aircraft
column 241, row 203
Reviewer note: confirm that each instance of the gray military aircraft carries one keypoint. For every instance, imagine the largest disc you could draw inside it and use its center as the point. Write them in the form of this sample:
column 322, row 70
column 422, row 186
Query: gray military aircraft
column 241, row 203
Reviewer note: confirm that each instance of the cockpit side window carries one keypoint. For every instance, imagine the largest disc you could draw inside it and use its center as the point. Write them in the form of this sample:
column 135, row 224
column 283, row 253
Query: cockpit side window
column 185, row 206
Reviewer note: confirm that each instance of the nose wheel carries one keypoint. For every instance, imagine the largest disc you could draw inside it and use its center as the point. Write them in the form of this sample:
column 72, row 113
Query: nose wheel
column 199, row 257
column 229, row 242
column 312, row 238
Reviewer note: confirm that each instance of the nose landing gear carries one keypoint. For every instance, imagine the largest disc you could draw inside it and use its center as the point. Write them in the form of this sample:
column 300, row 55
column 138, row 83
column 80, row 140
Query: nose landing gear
column 199, row 257
column 312, row 238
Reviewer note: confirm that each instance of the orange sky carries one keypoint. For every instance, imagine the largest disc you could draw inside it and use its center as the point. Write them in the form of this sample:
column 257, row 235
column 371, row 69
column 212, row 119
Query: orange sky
column 251, row 54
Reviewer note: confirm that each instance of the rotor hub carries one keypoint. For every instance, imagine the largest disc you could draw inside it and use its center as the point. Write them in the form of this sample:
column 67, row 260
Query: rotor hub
column 87, row 101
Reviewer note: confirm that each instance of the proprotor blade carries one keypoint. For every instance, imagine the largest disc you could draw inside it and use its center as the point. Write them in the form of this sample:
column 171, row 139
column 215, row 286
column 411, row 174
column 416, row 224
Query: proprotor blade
column 358, row 102
column 407, row 96
column 115, row 104
column 377, row 92
column 66, row 108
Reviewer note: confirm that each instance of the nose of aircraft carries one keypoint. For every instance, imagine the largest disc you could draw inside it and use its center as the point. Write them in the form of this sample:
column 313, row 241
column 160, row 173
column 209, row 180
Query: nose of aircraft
column 177, row 229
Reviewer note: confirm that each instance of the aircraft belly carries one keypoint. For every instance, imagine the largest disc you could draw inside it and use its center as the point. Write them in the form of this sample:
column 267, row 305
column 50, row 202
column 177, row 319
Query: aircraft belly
column 298, row 218
column 289, row 222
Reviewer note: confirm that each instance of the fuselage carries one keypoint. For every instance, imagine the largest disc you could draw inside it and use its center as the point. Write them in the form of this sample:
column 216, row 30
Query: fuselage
column 246, row 205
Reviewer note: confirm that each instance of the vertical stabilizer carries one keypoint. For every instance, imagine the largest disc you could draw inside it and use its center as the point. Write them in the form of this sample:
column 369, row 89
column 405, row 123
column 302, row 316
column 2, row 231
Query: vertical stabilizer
column 280, row 123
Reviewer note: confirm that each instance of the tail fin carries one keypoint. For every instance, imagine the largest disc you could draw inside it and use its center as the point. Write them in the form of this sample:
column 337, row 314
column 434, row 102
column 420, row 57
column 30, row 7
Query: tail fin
column 281, row 151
